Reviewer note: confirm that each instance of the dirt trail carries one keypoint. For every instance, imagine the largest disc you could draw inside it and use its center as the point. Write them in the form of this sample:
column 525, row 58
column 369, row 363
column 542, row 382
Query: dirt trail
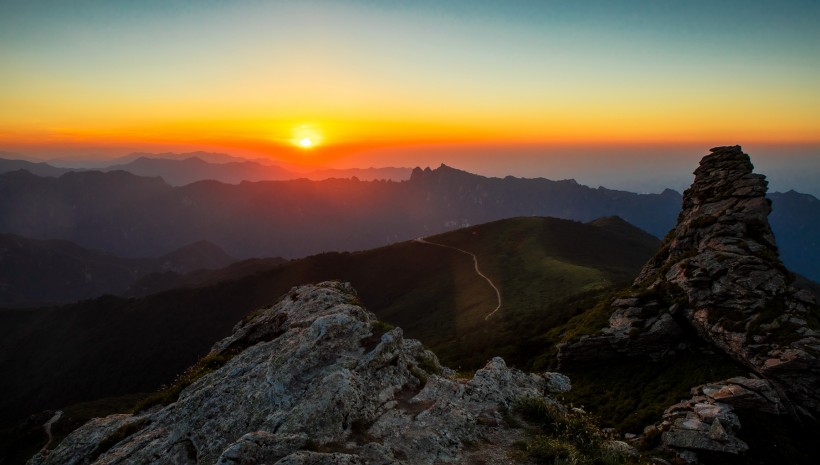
column 47, row 428
column 475, row 261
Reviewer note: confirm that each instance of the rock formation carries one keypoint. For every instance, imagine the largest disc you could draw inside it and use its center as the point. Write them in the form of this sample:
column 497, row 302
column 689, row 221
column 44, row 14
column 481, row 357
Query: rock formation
column 718, row 278
column 312, row 381
column 708, row 420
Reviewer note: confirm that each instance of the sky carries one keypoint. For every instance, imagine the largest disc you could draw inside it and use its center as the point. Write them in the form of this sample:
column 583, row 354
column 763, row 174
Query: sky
column 548, row 88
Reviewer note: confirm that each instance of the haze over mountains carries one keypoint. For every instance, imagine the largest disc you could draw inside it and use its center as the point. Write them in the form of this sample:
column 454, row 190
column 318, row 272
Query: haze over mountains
column 36, row 272
column 182, row 169
column 147, row 216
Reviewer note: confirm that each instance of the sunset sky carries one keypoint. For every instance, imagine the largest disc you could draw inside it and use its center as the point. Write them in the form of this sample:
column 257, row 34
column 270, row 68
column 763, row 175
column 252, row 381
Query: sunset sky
column 344, row 83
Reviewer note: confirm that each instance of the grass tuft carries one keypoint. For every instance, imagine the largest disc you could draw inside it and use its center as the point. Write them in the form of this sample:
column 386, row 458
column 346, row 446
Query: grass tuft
column 566, row 436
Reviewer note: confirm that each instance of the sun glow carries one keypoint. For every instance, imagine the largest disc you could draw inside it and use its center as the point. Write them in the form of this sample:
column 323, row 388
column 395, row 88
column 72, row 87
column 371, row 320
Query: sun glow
column 306, row 136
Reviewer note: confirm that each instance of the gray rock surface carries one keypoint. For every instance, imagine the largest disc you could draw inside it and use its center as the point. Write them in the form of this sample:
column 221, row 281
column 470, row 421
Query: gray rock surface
column 708, row 422
column 312, row 382
column 718, row 273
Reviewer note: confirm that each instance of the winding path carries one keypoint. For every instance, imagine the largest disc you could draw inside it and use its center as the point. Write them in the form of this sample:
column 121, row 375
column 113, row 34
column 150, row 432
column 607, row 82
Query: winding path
column 47, row 428
column 475, row 261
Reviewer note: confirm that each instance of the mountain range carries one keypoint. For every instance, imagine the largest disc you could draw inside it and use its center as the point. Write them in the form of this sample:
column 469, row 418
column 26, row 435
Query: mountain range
column 182, row 169
column 35, row 272
column 146, row 216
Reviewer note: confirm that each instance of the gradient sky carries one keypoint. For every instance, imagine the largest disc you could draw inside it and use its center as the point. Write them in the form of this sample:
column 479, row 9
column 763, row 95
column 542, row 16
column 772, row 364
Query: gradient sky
column 378, row 82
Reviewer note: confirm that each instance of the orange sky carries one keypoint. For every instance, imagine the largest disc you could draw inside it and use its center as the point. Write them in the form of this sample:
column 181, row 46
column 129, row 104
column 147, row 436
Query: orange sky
column 359, row 77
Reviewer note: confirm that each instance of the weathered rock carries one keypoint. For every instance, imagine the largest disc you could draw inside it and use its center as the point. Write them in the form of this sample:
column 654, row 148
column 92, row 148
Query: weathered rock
column 708, row 422
column 311, row 384
column 718, row 272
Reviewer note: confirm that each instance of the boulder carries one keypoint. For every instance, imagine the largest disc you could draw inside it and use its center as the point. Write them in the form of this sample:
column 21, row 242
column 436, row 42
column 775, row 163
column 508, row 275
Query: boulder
column 708, row 422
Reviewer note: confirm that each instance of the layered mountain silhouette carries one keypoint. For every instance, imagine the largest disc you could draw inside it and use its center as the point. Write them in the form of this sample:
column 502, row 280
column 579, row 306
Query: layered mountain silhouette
column 130, row 215
column 182, row 169
column 36, row 272
column 37, row 168
column 134, row 216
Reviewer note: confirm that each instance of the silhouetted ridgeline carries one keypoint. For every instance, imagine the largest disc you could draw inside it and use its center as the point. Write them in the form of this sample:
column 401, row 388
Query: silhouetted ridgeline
column 35, row 272
column 182, row 169
column 129, row 215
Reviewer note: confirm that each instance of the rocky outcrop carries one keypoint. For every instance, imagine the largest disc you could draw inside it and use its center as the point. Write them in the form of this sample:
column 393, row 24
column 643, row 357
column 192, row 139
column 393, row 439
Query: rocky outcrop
column 718, row 278
column 315, row 381
column 708, row 422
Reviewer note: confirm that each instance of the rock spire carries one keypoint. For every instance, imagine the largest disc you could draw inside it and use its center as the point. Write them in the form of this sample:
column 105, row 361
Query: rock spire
column 718, row 273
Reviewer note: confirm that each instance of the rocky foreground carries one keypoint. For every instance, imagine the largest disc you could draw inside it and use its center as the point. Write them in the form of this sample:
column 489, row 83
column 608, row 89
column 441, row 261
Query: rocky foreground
column 315, row 381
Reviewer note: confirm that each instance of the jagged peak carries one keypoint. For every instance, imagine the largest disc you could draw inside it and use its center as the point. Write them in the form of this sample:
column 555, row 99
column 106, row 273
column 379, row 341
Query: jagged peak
column 442, row 172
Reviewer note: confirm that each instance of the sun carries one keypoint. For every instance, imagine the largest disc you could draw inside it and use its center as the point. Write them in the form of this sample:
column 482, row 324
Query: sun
column 307, row 136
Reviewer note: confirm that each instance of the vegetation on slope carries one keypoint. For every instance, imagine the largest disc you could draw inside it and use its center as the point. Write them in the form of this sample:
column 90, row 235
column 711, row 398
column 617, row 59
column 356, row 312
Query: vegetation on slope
column 564, row 436
column 110, row 346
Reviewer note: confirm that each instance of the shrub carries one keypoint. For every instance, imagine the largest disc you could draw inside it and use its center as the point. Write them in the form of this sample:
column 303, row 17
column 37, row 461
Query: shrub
column 565, row 436
column 543, row 449
column 428, row 363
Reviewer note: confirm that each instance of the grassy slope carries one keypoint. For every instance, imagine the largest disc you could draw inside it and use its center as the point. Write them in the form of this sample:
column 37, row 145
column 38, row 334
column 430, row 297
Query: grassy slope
column 111, row 347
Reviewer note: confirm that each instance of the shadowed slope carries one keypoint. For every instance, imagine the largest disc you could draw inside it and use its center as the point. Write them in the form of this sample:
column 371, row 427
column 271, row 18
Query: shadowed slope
column 112, row 346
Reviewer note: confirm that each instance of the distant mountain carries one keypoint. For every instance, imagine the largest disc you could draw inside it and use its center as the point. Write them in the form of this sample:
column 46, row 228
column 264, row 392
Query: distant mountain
column 97, row 163
column 139, row 216
column 111, row 346
column 795, row 219
column 40, row 169
column 36, row 272
column 363, row 174
column 182, row 169
column 208, row 157
column 164, row 280
column 179, row 172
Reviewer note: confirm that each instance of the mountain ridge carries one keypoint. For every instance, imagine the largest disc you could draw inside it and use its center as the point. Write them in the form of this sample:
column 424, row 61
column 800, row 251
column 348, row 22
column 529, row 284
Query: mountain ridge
column 283, row 218
column 66, row 272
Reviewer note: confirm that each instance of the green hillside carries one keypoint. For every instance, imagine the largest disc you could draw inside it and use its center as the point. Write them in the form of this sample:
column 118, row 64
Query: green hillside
column 547, row 271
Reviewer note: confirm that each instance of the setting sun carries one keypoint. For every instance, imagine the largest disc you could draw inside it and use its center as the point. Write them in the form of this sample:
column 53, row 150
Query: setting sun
column 306, row 136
